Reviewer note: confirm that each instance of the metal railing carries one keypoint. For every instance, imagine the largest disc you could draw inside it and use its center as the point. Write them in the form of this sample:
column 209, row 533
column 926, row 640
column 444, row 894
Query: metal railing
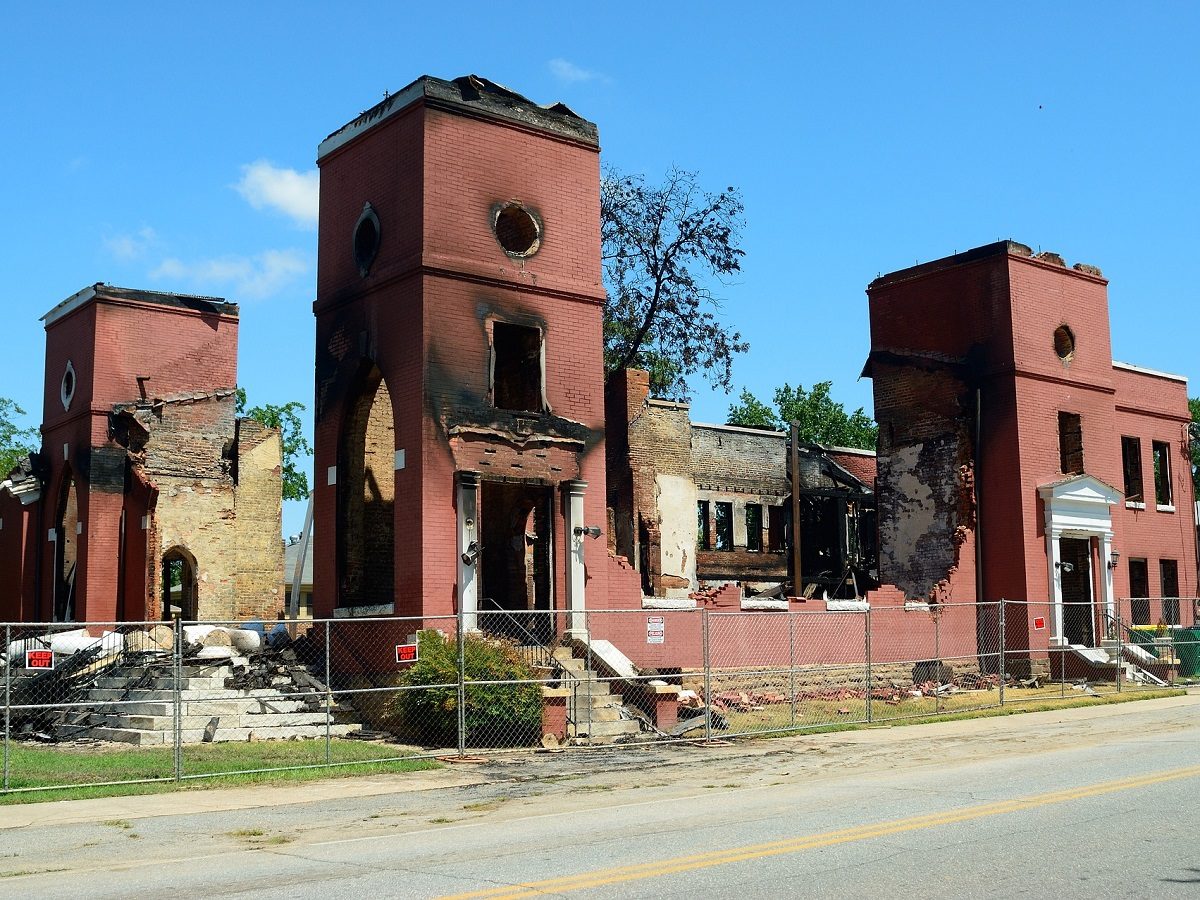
column 194, row 700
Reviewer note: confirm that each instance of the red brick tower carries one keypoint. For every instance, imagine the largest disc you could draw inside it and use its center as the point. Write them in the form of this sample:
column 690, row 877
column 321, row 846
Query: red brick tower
column 459, row 383
column 105, row 346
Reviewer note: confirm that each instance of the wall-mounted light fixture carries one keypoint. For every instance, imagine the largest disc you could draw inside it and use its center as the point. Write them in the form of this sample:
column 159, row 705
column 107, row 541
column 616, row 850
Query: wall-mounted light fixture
column 1065, row 567
column 592, row 531
column 1113, row 558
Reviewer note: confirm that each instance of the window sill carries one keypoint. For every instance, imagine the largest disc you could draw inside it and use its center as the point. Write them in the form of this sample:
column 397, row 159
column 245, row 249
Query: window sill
column 1134, row 504
column 1162, row 508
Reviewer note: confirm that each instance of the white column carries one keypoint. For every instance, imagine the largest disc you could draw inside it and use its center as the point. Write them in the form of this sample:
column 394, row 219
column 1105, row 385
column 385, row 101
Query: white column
column 468, row 549
column 1110, row 603
column 576, row 573
column 1053, row 556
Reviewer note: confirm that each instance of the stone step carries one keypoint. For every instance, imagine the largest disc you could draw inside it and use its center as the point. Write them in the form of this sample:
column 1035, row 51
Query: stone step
column 204, row 707
column 193, row 683
column 143, row 694
column 606, row 729
column 190, row 723
column 151, row 737
column 596, row 714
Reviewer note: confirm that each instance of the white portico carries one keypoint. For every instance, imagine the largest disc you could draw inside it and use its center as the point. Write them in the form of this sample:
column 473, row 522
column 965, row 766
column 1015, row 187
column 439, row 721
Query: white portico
column 1078, row 509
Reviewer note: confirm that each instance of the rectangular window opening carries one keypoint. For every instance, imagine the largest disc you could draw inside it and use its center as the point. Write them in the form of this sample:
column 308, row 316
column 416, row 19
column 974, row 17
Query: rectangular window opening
column 1169, row 572
column 1131, row 463
column 516, row 367
column 703, row 532
column 1162, row 473
column 1139, row 592
column 1070, row 443
column 775, row 529
column 754, row 527
column 724, row 523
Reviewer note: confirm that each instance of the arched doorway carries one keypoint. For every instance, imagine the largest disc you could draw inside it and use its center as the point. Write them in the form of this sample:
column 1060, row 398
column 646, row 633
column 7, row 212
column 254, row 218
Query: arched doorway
column 366, row 496
column 179, row 584
column 66, row 549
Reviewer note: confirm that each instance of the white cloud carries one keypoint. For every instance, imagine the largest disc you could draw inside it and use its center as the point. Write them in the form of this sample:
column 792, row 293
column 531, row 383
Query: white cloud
column 295, row 194
column 242, row 277
column 565, row 70
column 128, row 247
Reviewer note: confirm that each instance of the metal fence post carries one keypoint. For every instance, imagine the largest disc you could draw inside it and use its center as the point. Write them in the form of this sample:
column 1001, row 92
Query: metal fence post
column 462, row 686
column 1003, row 677
column 1120, row 651
column 328, row 698
column 7, row 699
column 177, row 706
column 937, row 661
column 589, row 675
column 708, row 709
column 867, row 650
column 792, row 662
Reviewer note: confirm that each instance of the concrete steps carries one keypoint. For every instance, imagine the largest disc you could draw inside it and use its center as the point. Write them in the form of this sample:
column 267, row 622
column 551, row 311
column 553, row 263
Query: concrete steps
column 145, row 715
column 593, row 710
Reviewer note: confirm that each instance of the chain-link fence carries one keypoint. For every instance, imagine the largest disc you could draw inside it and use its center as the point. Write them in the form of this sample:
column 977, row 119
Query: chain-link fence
column 107, row 703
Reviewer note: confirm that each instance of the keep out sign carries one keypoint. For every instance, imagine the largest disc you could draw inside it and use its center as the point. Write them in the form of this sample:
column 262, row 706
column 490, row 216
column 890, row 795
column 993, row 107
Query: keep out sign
column 39, row 659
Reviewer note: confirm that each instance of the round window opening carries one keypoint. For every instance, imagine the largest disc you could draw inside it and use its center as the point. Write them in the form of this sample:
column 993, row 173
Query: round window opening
column 67, row 388
column 366, row 239
column 1064, row 342
column 517, row 230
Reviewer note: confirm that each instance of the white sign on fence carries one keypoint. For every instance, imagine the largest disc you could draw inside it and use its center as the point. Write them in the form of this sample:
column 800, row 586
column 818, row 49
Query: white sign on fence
column 656, row 629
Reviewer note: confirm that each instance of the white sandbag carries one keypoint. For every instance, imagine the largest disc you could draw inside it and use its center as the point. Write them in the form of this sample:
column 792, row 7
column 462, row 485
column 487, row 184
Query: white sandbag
column 215, row 653
column 195, row 634
column 245, row 640
column 218, row 637
column 67, row 642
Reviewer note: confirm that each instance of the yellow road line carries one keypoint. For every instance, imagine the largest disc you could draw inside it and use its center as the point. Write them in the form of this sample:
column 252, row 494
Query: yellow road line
column 657, row 868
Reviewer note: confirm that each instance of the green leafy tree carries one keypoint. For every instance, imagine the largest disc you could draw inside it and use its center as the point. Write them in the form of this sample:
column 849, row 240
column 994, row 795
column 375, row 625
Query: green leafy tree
column 822, row 419
column 291, row 436
column 750, row 412
column 664, row 246
column 15, row 441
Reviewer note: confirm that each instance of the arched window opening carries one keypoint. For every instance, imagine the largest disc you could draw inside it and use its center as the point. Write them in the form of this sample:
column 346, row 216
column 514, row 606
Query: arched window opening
column 179, row 585
column 366, row 496
column 66, row 555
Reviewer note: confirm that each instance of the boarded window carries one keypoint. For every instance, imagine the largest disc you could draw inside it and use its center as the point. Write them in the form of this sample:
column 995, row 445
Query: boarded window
column 1169, row 572
column 724, row 525
column 754, row 527
column 517, row 367
column 1131, row 462
column 1162, row 473
column 703, row 534
column 1139, row 591
column 1070, row 443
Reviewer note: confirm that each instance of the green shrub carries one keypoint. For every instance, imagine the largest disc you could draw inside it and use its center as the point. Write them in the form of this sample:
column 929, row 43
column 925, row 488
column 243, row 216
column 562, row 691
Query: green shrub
column 496, row 715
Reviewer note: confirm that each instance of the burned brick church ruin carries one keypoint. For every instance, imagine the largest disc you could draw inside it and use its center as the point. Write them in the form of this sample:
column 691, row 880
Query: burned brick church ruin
column 148, row 491
column 472, row 464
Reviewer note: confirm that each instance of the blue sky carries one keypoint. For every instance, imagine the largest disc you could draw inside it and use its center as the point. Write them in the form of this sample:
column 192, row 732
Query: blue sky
column 174, row 149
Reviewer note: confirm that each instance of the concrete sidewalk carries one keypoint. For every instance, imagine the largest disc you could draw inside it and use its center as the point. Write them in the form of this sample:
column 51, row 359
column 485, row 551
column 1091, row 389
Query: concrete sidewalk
column 903, row 741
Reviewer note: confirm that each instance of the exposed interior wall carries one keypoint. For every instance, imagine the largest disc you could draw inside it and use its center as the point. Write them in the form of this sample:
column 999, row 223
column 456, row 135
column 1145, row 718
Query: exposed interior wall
column 258, row 504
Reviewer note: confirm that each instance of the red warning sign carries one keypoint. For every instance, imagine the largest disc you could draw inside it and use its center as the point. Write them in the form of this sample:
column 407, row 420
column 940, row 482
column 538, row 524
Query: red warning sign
column 406, row 653
column 39, row 659
column 1039, row 623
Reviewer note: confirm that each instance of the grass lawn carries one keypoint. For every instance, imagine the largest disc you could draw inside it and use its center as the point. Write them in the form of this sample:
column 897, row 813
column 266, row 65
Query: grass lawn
column 851, row 713
column 81, row 768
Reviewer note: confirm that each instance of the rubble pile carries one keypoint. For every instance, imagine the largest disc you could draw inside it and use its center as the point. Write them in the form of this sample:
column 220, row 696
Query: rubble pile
column 234, row 683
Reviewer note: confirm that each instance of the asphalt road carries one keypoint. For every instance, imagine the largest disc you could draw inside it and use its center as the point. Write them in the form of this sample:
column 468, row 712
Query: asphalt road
column 1098, row 802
